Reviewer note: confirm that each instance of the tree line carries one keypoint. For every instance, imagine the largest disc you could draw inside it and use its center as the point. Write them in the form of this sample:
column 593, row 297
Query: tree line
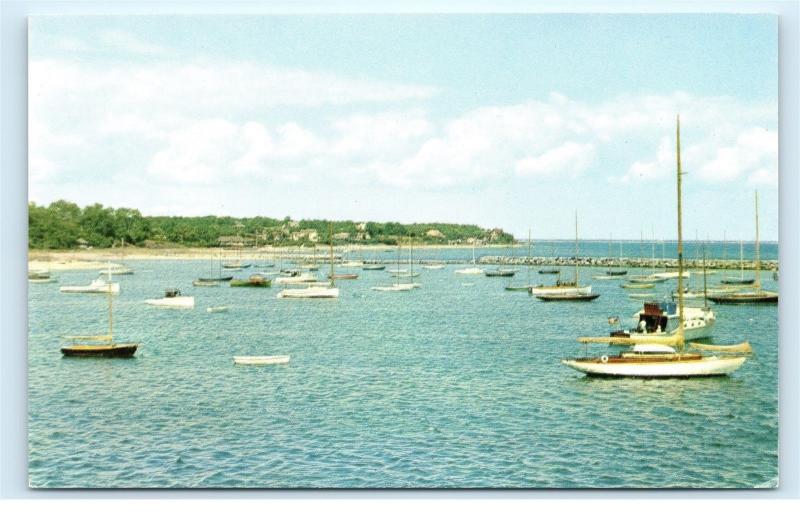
column 65, row 225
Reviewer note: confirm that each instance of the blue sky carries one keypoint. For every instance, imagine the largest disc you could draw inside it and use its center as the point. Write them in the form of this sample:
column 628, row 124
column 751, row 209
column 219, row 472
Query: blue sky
column 500, row 120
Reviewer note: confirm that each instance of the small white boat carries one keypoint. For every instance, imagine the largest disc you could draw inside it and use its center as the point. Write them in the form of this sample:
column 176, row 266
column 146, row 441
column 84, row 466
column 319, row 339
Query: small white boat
column 172, row 300
column 303, row 278
column 261, row 360
column 219, row 308
column 97, row 286
column 433, row 266
column 352, row 264
column 310, row 292
column 119, row 270
column 656, row 361
column 474, row 270
column 670, row 275
column 606, row 277
column 396, row 287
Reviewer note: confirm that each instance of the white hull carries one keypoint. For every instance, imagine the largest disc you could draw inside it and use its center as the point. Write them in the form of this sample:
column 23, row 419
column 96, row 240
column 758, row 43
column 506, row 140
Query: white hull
column 396, row 287
column 260, row 361
column 560, row 290
column 116, row 271
column 97, row 286
column 698, row 323
column 352, row 264
column 707, row 366
column 310, row 292
column 222, row 308
column 300, row 279
column 433, row 266
column 670, row 275
column 470, row 271
column 177, row 302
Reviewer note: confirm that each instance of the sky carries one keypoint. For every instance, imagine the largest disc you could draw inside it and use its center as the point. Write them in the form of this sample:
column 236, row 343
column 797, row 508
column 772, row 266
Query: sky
column 512, row 121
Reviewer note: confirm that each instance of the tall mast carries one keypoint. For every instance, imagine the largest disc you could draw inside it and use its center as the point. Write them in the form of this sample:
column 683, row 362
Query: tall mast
column 741, row 260
column 758, row 254
column 705, row 283
column 724, row 251
column 680, row 233
column 576, row 248
column 330, row 240
column 529, row 257
column 110, row 308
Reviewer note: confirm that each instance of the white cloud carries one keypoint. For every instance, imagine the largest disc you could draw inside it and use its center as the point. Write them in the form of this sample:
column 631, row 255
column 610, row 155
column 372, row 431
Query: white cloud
column 198, row 123
column 570, row 159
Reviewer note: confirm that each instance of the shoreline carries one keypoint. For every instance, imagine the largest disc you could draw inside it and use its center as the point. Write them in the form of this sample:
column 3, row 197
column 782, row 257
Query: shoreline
column 66, row 260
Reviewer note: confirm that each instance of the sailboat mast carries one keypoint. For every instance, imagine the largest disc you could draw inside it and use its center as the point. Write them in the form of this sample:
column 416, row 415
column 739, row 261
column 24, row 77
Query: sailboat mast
column 110, row 308
column 529, row 258
column 758, row 248
column 330, row 240
column 741, row 260
column 576, row 248
column 680, row 233
column 705, row 282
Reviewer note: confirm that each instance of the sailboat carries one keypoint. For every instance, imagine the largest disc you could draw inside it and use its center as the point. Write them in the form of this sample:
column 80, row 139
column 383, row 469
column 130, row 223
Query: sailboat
column 648, row 360
column 211, row 280
column 472, row 270
column 500, row 271
column 619, row 271
column 104, row 345
column 315, row 290
column 563, row 290
column 398, row 286
column 511, row 287
column 756, row 295
column 100, row 285
column 639, row 281
column 741, row 280
column 653, row 278
column 119, row 269
column 433, row 266
column 552, row 270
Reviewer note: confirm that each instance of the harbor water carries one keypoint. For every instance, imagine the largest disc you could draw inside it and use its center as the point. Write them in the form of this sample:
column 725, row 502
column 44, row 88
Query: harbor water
column 456, row 384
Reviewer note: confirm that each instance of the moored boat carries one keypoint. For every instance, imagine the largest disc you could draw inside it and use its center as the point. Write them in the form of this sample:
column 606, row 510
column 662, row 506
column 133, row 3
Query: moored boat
column 255, row 280
column 172, row 300
column 261, row 360
column 97, row 286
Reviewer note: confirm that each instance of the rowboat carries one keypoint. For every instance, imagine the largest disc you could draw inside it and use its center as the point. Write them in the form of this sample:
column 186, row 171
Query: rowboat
column 260, row 360
column 310, row 292
column 637, row 285
column 570, row 297
column 204, row 283
column 219, row 308
column 373, row 267
column 500, row 272
column 395, row 287
column 343, row 276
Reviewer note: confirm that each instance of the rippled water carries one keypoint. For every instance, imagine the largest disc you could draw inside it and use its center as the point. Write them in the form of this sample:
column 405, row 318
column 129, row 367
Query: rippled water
column 451, row 385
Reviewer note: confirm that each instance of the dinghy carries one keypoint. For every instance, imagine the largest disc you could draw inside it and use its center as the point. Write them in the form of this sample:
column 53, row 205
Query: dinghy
column 260, row 360
column 219, row 308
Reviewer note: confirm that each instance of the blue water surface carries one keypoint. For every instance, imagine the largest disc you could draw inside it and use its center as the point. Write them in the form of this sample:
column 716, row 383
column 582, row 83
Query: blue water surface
column 456, row 384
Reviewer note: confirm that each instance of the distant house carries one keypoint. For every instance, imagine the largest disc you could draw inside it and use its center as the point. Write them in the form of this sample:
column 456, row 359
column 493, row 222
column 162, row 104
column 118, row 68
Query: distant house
column 341, row 236
column 495, row 233
column 434, row 233
column 306, row 234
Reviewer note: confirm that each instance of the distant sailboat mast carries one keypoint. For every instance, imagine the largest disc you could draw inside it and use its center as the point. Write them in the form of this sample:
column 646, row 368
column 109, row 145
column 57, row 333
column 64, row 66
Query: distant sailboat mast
column 758, row 253
column 680, row 236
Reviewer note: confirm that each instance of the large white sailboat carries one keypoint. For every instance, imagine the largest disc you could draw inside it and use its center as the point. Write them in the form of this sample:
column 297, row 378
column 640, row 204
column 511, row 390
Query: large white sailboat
column 315, row 290
column 471, row 270
column 564, row 290
column 661, row 360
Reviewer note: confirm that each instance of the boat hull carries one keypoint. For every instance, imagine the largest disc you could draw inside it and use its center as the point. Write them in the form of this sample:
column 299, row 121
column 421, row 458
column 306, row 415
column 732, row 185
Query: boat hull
column 674, row 368
column 395, row 287
column 314, row 292
column 261, row 361
column 100, row 351
column 178, row 302
column 743, row 299
column 559, row 290
column 579, row 297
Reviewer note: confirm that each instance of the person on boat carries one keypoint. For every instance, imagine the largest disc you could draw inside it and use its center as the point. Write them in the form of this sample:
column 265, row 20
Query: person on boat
column 643, row 326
